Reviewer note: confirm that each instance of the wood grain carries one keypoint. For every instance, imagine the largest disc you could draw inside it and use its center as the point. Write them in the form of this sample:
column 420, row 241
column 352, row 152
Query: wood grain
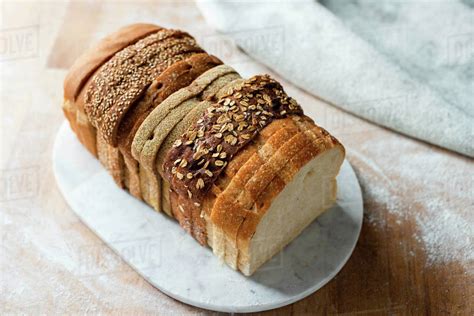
column 52, row 263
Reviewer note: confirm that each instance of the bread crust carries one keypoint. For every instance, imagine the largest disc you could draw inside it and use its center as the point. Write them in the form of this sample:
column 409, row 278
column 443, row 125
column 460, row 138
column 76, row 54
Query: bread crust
column 97, row 55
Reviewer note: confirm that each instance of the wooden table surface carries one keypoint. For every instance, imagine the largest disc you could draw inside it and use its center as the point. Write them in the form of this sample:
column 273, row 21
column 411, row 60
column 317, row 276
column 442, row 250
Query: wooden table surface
column 409, row 260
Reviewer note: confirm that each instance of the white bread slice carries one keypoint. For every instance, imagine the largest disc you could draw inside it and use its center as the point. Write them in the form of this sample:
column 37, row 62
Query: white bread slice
column 311, row 191
column 243, row 196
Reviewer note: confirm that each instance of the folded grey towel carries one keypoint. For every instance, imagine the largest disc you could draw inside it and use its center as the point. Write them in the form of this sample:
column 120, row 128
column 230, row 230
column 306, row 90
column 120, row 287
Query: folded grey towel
column 408, row 66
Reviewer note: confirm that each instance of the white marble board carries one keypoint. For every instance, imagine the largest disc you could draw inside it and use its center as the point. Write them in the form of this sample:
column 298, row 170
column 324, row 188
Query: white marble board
column 159, row 250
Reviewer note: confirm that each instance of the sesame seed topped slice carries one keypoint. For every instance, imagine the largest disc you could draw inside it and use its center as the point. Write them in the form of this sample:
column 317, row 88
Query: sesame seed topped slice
column 126, row 76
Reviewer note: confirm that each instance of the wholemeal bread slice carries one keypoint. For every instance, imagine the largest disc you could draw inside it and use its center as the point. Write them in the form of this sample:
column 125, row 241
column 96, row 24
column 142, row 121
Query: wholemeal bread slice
column 157, row 125
column 201, row 104
column 175, row 77
column 160, row 49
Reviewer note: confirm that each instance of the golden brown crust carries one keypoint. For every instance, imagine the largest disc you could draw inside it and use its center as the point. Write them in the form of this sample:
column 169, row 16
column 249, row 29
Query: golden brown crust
column 270, row 162
column 291, row 157
column 97, row 55
column 86, row 132
column 233, row 204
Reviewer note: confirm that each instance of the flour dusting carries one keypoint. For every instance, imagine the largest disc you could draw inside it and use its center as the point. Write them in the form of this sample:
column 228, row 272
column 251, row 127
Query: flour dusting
column 446, row 236
column 428, row 187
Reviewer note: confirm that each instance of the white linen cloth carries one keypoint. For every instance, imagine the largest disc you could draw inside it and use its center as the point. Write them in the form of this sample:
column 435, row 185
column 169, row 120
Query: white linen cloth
column 408, row 66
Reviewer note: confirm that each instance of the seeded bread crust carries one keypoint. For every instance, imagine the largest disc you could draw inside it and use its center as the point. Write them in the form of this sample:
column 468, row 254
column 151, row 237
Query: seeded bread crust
column 127, row 75
column 167, row 47
column 85, row 66
column 231, row 123
column 204, row 101
column 177, row 76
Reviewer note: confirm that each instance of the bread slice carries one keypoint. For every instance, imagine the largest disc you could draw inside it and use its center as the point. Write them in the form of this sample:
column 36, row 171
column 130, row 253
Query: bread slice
column 175, row 77
column 240, row 193
column 127, row 75
column 123, row 158
column 159, row 123
column 309, row 193
column 201, row 104
column 239, row 207
column 85, row 67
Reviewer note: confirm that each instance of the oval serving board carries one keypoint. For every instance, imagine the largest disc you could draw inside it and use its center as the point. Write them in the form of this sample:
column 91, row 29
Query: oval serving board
column 172, row 261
